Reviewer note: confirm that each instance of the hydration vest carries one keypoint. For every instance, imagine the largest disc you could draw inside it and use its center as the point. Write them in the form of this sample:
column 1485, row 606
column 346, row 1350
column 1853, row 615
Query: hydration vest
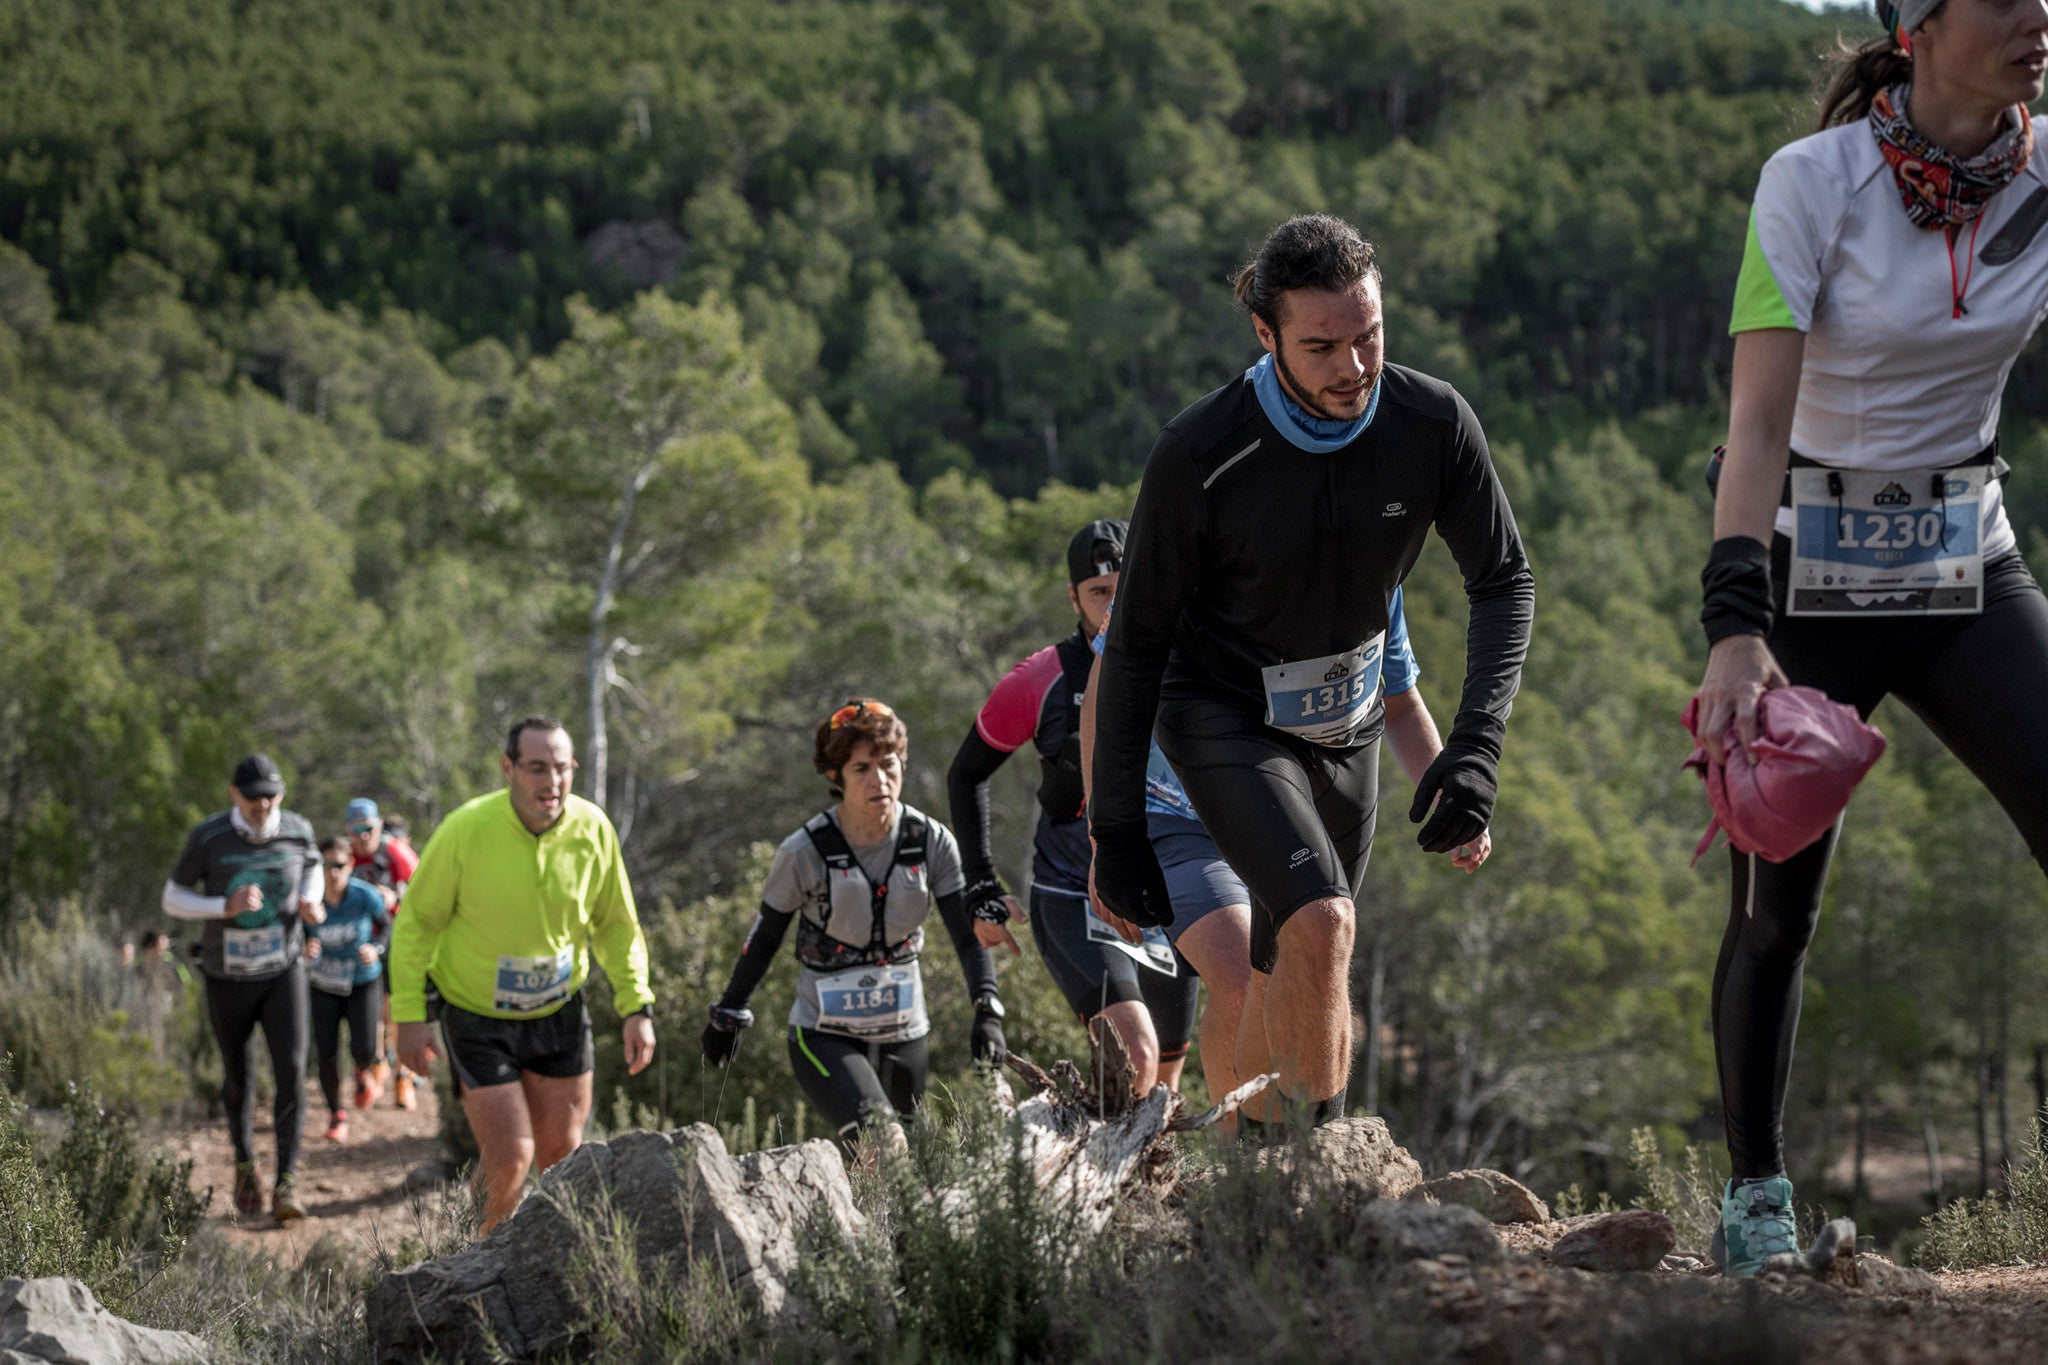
column 1060, row 789
column 877, row 922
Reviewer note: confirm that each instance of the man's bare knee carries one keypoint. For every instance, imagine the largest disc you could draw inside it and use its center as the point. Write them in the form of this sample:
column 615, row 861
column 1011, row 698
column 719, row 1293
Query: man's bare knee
column 1322, row 930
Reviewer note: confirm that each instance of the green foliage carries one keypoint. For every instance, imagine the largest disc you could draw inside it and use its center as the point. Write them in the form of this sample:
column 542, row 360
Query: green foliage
column 91, row 1206
column 677, row 1309
column 1999, row 1229
column 71, row 1015
column 1687, row 1190
column 964, row 236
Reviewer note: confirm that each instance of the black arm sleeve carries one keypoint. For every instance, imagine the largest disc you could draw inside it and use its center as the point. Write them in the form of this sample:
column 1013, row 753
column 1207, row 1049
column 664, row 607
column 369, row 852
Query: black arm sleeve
column 757, row 954
column 1477, row 524
column 967, row 791
column 975, row 963
column 1162, row 557
column 380, row 927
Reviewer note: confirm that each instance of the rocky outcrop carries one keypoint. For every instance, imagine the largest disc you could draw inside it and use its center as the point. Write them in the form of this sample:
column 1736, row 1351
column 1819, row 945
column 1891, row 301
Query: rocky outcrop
column 1499, row 1198
column 680, row 1196
column 1412, row 1230
column 1633, row 1239
column 56, row 1321
column 1359, row 1155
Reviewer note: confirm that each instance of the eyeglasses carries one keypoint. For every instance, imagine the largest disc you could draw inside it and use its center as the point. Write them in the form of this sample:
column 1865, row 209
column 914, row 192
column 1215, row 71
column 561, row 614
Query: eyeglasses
column 339, row 867
column 362, row 829
column 846, row 715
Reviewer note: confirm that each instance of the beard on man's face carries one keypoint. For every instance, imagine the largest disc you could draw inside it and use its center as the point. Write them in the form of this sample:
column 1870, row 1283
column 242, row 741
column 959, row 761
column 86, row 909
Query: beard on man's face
column 1311, row 399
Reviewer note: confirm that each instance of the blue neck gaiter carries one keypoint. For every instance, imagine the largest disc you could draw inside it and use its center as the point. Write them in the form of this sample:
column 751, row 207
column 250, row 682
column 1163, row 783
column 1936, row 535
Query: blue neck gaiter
column 1317, row 434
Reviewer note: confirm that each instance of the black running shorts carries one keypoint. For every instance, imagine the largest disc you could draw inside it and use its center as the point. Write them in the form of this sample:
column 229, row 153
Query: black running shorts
column 1292, row 818
column 486, row 1051
column 1093, row 976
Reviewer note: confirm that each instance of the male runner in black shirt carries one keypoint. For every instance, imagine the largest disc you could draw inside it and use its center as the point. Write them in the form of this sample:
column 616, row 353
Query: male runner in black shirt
column 1276, row 517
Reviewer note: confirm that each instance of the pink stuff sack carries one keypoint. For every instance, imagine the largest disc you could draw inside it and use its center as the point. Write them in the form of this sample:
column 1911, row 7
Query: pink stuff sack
column 1810, row 754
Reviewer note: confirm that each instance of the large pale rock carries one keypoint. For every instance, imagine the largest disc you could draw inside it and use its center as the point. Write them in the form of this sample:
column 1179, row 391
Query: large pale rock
column 1411, row 1230
column 1500, row 1198
column 58, row 1321
column 1358, row 1154
column 1633, row 1239
column 680, row 1194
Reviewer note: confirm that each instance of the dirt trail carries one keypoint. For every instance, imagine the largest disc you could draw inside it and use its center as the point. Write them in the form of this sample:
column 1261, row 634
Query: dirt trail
column 355, row 1190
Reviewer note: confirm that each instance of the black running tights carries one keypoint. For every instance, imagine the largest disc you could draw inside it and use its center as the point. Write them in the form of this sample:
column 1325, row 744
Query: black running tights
column 279, row 1005
column 360, row 1008
column 1980, row 683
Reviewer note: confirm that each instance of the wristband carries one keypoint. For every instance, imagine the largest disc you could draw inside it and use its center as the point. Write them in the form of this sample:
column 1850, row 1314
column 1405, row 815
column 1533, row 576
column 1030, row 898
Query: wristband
column 1737, row 587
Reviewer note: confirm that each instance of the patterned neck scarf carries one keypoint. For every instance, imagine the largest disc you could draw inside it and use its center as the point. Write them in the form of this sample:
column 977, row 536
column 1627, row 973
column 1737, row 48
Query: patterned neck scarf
column 1939, row 188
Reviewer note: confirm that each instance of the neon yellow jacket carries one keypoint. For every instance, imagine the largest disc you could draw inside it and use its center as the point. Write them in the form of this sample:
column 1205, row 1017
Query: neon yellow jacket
column 489, row 893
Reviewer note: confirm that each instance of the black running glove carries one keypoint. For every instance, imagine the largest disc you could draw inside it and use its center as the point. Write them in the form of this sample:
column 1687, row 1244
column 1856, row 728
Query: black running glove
column 988, row 1041
column 722, row 1035
column 1128, row 879
column 1463, row 786
column 985, row 899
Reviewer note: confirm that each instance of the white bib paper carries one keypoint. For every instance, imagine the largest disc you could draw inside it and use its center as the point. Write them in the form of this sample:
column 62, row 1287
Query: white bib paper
column 533, row 983
column 252, row 952
column 1888, row 544
column 871, row 1000
column 334, row 971
column 1153, row 949
column 1325, row 700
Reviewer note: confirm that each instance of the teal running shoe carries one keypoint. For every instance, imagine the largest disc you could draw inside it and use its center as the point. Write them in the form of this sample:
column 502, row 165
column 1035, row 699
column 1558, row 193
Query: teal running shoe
column 1756, row 1224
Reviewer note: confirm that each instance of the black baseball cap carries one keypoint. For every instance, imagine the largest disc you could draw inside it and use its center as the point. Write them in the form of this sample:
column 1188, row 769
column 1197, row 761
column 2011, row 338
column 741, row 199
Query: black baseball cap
column 256, row 775
column 1096, row 549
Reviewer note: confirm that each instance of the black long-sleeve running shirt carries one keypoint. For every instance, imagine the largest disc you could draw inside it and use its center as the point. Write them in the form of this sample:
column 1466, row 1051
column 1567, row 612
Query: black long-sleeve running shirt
column 1246, row 551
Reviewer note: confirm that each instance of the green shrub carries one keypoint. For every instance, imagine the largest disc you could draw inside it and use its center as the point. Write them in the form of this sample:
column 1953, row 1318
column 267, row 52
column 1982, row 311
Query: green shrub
column 90, row 1207
column 1997, row 1229
column 70, row 1012
column 1687, row 1190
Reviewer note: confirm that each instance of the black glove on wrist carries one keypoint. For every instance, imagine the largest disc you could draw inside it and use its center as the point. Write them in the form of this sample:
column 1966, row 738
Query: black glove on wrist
column 1128, row 879
column 719, row 1045
column 987, row 1038
column 722, row 1035
column 1463, row 786
column 984, row 897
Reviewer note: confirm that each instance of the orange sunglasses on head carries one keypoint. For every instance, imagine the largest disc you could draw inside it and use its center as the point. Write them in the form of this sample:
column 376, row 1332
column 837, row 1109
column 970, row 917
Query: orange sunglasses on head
column 845, row 715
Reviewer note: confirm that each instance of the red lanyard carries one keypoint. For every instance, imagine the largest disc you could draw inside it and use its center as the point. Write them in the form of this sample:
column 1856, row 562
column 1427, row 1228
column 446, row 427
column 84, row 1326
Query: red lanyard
column 1958, row 290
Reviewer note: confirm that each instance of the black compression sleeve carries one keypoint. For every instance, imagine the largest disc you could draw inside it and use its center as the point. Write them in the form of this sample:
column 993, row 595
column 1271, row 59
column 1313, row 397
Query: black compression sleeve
column 1477, row 524
column 757, row 955
column 1736, row 585
column 967, row 791
column 1162, row 561
column 975, row 963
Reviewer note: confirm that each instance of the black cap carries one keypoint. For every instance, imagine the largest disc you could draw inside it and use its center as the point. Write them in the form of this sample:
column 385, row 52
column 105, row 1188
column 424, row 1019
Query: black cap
column 256, row 775
column 1096, row 549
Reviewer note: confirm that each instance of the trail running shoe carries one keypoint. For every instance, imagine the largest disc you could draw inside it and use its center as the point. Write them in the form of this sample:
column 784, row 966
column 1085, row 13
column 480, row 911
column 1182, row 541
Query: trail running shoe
column 248, row 1190
column 1756, row 1224
column 337, row 1127
column 368, row 1088
column 401, row 1093
column 284, row 1201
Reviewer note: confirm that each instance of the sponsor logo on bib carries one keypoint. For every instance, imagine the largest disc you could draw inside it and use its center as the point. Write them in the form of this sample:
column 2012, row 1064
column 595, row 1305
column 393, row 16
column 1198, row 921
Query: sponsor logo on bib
column 1891, row 495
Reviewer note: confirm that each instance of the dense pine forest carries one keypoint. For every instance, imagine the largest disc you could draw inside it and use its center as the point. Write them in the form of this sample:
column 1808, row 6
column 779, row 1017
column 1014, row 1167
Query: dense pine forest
column 374, row 373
